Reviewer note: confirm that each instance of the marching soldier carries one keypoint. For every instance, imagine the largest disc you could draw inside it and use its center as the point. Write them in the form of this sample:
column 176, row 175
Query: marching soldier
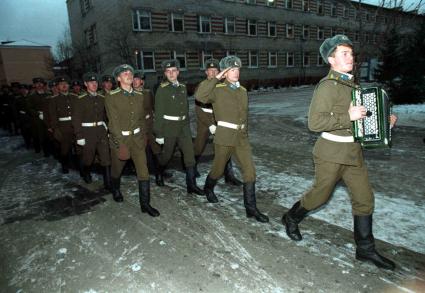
column 230, row 105
column 88, row 121
column 107, row 84
column 206, row 124
column 60, row 112
column 36, row 106
column 76, row 87
column 24, row 118
column 126, row 115
column 172, row 124
column 336, row 156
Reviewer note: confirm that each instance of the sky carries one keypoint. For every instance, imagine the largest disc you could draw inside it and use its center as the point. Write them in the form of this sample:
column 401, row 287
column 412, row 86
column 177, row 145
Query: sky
column 44, row 21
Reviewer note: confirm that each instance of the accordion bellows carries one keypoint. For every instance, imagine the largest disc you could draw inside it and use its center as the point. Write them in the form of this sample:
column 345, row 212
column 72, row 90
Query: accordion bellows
column 373, row 131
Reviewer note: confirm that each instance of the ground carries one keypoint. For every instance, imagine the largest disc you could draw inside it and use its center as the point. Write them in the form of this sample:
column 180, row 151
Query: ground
column 61, row 235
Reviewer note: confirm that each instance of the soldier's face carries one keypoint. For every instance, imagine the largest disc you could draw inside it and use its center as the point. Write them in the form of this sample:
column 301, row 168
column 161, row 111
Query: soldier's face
column 91, row 86
column 126, row 78
column 39, row 86
column 76, row 88
column 211, row 73
column 137, row 82
column 233, row 74
column 342, row 59
column 63, row 86
column 172, row 73
column 107, row 85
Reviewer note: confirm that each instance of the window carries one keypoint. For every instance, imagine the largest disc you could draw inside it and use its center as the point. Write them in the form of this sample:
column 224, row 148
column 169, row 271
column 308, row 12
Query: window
column 345, row 12
column 290, row 31
column 205, row 55
column 271, row 26
column 333, row 31
column 306, row 59
column 181, row 56
column 290, row 60
column 319, row 60
column 320, row 33
column 231, row 53
column 333, row 10
column 320, row 7
column 252, row 27
column 272, row 60
column 176, row 22
column 204, row 24
column 251, row 1
column 253, row 59
column 90, row 35
column 288, row 4
column 229, row 25
column 306, row 32
column 305, row 5
column 271, row 3
column 85, row 6
column 146, row 61
column 141, row 20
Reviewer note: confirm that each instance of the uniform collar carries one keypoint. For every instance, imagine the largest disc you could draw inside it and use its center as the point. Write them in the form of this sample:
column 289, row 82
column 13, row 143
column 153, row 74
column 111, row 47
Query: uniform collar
column 128, row 93
column 340, row 76
column 233, row 86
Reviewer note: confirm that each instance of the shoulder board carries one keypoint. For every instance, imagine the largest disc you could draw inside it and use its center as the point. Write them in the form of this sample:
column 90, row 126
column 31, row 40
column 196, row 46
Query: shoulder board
column 115, row 91
column 340, row 81
column 137, row 92
column 73, row 94
column 82, row 95
column 242, row 88
column 164, row 84
column 220, row 85
column 182, row 84
column 53, row 96
column 101, row 95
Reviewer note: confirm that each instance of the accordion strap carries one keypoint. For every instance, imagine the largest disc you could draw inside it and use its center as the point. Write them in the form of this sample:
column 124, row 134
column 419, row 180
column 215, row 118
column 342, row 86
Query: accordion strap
column 340, row 81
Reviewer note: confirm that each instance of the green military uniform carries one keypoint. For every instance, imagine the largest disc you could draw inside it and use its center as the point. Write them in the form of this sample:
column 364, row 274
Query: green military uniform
column 333, row 158
column 37, row 103
column 148, row 104
column 24, row 119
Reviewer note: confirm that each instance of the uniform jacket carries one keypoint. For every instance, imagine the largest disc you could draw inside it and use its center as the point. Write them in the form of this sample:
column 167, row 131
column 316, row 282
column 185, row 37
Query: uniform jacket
column 203, row 117
column 329, row 112
column 172, row 101
column 229, row 105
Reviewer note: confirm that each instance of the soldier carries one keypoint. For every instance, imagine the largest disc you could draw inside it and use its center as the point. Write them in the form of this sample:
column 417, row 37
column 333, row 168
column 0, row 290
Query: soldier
column 24, row 119
column 88, row 120
column 107, row 84
column 336, row 156
column 124, row 107
column 206, row 124
column 36, row 106
column 230, row 105
column 172, row 124
column 76, row 87
column 60, row 112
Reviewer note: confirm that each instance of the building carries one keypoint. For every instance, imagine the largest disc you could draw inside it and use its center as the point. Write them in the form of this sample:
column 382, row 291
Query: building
column 278, row 41
column 22, row 60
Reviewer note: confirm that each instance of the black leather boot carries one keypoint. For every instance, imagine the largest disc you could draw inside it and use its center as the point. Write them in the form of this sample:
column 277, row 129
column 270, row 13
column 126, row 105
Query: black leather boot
column 86, row 174
column 291, row 220
column 107, row 178
column 145, row 198
column 197, row 175
column 191, row 182
column 65, row 164
column 159, row 175
column 366, row 243
column 251, row 203
column 209, row 189
column 229, row 175
column 116, row 192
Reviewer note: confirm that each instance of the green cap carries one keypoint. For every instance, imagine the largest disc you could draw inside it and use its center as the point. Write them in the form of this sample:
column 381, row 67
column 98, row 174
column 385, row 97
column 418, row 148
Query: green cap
column 170, row 63
column 212, row 63
column 230, row 61
column 122, row 68
column 139, row 74
column 107, row 77
column 38, row 79
column 330, row 44
column 90, row 76
column 62, row 79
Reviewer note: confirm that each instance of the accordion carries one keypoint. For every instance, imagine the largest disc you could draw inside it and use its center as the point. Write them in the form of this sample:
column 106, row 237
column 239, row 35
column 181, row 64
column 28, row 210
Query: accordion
column 374, row 130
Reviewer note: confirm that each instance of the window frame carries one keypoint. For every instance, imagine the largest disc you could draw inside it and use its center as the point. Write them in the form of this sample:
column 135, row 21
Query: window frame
column 141, row 60
column 253, row 54
column 137, row 13
column 201, row 21
column 269, row 23
column 270, row 55
column 226, row 25
column 173, row 18
column 248, row 27
column 290, row 56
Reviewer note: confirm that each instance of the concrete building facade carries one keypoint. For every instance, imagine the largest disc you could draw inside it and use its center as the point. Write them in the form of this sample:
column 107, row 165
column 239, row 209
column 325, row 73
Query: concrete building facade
column 278, row 41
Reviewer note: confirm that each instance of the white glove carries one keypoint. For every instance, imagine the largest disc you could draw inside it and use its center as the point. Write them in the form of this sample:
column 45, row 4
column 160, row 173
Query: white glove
column 81, row 142
column 160, row 140
column 212, row 128
column 41, row 116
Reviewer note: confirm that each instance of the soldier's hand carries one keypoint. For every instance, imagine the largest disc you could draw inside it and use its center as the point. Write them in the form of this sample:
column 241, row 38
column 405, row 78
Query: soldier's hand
column 222, row 73
column 212, row 128
column 160, row 140
column 81, row 142
column 356, row 112
column 393, row 120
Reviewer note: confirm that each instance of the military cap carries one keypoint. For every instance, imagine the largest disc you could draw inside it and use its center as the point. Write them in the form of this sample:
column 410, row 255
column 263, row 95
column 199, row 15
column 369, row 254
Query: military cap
column 61, row 79
column 122, row 68
column 170, row 63
column 139, row 74
column 212, row 63
column 107, row 77
column 38, row 79
column 230, row 61
column 90, row 76
column 330, row 44
column 75, row 82
column 53, row 83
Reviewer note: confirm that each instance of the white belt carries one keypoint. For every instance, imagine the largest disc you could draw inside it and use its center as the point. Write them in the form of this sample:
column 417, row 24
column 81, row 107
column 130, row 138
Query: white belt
column 127, row 133
column 22, row 112
column 65, row 118
column 174, row 118
column 148, row 116
column 208, row 110
column 231, row 125
column 5, row 105
column 337, row 138
column 93, row 124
